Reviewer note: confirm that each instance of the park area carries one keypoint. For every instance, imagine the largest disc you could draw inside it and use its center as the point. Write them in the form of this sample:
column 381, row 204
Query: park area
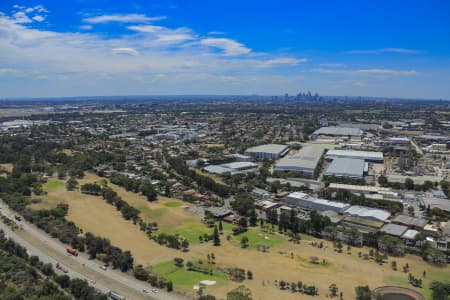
column 269, row 256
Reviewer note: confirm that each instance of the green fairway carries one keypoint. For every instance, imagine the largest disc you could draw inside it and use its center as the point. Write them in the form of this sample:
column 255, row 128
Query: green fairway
column 152, row 213
column 52, row 184
column 257, row 237
column 172, row 204
column 192, row 230
column 182, row 278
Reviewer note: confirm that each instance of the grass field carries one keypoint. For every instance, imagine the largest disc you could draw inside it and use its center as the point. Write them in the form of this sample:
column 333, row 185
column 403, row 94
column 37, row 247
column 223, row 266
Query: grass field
column 185, row 279
column 52, row 184
column 216, row 178
column 284, row 260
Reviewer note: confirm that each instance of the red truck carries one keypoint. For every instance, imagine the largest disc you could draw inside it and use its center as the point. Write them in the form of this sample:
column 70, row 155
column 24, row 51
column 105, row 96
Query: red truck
column 72, row 251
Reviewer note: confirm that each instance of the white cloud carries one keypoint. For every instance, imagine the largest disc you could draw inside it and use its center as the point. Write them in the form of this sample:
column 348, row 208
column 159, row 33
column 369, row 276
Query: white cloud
column 372, row 72
column 8, row 71
column 85, row 27
column 38, row 18
column 386, row 50
column 229, row 46
column 216, row 32
column 125, row 50
column 119, row 18
column 145, row 28
column 21, row 17
column 164, row 35
column 281, row 61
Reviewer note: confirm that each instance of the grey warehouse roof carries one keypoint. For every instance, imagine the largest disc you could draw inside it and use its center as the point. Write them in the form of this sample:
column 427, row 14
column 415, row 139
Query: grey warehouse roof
column 268, row 148
column 394, row 229
column 305, row 158
column 367, row 155
column 348, row 167
column 338, row 131
column 368, row 212
column 410, row 221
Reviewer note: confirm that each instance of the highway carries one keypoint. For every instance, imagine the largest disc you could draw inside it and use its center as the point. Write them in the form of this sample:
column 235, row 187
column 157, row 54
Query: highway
column 50, row 250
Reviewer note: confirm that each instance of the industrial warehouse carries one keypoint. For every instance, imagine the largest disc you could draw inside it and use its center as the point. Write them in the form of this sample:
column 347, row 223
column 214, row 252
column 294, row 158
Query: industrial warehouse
column 305, row 160
column 369, row 156
column 347, row 167
column 268, row 151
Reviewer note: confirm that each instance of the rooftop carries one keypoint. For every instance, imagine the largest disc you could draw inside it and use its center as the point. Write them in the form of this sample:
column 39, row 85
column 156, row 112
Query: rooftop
column 268, row 148
column 394, row 229
column 305, row 158
column 411, row 221
column 363, row 211
column 356, row 154
column 350, row 167
column 338, row 131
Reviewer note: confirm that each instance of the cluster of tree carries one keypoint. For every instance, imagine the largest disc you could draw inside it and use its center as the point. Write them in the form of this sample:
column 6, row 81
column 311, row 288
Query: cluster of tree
column 445, row 186
column 391, row 244
column 91, row 189
column 144, row 275
column 128, row 212
column 363, row 293
column 240, row 293
column 26, row 277
column 344, row 180
column 299, row 287
column 136, row 186
column 414, row 281
column 101, row 248
column 206, row 182
column 408, row 184
column 440, row 291
column 172, row 241
column 244, row 204
column 238, row 274
column 349, row 197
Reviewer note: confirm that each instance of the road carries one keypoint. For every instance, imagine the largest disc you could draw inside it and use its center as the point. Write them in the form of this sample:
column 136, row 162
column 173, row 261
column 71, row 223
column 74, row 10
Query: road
column 51, row 250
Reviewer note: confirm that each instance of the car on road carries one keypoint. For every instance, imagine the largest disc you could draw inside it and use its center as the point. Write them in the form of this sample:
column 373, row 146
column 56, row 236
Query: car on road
column 155, row 290
column 92, row 281
column 104, row 268
column 145, row 291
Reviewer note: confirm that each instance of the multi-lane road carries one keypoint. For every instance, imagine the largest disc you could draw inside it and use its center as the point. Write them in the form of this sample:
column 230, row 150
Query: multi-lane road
column 52, row 251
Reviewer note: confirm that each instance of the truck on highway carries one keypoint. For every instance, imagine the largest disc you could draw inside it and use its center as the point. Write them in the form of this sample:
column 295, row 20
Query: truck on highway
column 72, row 251
column 116, row 296
column 61, row 267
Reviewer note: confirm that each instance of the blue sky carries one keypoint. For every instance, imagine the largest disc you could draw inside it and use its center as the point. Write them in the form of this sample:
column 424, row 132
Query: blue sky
column 86, row 47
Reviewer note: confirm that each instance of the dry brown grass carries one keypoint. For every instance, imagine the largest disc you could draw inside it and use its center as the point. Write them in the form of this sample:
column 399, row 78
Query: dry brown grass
column 346, row 271
column 7, row 167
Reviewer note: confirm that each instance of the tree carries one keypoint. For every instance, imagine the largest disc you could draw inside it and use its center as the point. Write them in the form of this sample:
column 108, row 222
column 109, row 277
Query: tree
column 216, row 236
column 363, row 293
column 244, row 242
column 169, row 286
column 140, row 273
column 71, row 184
column 243, row 204
column 148, row 191
column 220, row 226
column 249, row 274
column 185, row 245
column 178, row 262
column 333, row 290
column 440, row 291
column 409, row 184
column 240, row 293
column 207, row 297
column 382, row 180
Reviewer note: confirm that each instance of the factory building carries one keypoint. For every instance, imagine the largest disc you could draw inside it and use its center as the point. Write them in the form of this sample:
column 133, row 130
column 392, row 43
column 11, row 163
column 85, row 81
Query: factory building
column 369, row 156
column 368, row 213
column 302, row 200
column 268, row 151
column 347, row 167
column 232, row 168
column 337, row 131
column 305, row 161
